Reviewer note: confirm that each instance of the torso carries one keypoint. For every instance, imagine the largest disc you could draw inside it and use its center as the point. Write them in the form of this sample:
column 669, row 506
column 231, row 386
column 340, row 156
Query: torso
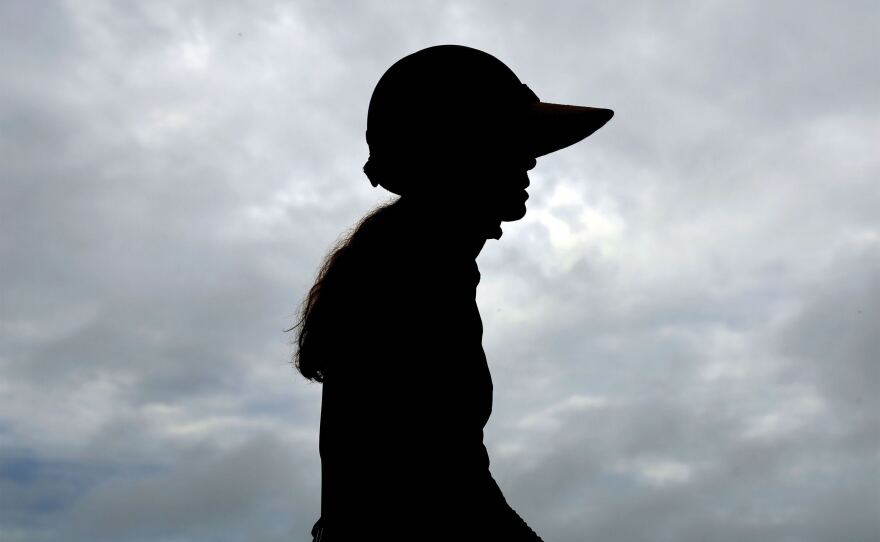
column 408, row 391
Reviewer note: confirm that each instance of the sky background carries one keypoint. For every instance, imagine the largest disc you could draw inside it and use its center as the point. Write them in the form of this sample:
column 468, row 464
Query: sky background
column 682, row 331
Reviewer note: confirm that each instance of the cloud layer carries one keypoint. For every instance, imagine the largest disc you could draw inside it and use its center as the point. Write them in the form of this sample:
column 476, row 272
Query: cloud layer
column 682, row 330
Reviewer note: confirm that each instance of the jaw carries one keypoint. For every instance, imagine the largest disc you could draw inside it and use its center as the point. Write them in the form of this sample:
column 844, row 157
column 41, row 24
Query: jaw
column 513, row 211
column 508, row 213
column 511, row 206
column 504, row 204
column 492, row 198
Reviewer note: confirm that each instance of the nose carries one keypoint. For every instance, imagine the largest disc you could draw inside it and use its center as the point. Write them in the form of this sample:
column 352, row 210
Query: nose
column 529, row 166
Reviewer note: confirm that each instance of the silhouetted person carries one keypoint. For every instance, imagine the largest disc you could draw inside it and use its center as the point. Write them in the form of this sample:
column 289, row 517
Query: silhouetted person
column 391, row 326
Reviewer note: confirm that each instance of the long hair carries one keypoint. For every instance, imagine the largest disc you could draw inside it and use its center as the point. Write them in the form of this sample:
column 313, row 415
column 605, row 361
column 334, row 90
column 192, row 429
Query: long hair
column 322, row 310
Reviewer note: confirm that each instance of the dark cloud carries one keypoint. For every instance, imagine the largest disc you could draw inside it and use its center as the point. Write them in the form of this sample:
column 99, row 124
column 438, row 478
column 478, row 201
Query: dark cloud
column 257, row 491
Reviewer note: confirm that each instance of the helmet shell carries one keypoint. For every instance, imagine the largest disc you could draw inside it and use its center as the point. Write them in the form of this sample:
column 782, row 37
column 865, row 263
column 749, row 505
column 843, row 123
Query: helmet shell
column 440, row 106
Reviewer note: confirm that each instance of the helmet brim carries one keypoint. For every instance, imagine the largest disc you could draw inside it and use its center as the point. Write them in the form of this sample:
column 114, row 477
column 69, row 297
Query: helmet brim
column 551, row 127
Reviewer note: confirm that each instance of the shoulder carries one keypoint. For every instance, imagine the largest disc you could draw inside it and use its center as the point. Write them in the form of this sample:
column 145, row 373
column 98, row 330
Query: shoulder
column 393, row 256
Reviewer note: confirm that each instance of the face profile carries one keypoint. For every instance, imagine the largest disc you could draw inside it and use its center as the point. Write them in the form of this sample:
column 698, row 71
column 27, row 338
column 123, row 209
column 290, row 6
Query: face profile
column 485, row 178
column 499, row 189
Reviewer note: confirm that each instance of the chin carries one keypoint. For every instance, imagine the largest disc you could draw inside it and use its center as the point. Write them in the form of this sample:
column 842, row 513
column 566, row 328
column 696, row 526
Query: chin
column 513, row 212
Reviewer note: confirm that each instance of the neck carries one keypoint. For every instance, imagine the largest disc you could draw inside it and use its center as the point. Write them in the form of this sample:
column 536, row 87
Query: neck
column 453, row 226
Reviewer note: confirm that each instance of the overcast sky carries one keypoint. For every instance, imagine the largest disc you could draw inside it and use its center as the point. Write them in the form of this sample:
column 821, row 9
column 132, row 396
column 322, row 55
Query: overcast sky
column 682, row 331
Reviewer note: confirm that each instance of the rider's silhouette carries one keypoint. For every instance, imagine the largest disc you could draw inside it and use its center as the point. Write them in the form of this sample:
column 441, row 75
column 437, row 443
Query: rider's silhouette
column 391, row 326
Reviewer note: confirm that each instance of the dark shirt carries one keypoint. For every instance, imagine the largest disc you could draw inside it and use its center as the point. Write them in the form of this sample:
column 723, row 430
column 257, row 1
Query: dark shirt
column 407, row 394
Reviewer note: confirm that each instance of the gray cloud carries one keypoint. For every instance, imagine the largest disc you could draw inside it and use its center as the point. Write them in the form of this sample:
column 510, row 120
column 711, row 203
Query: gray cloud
column 681, row 330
